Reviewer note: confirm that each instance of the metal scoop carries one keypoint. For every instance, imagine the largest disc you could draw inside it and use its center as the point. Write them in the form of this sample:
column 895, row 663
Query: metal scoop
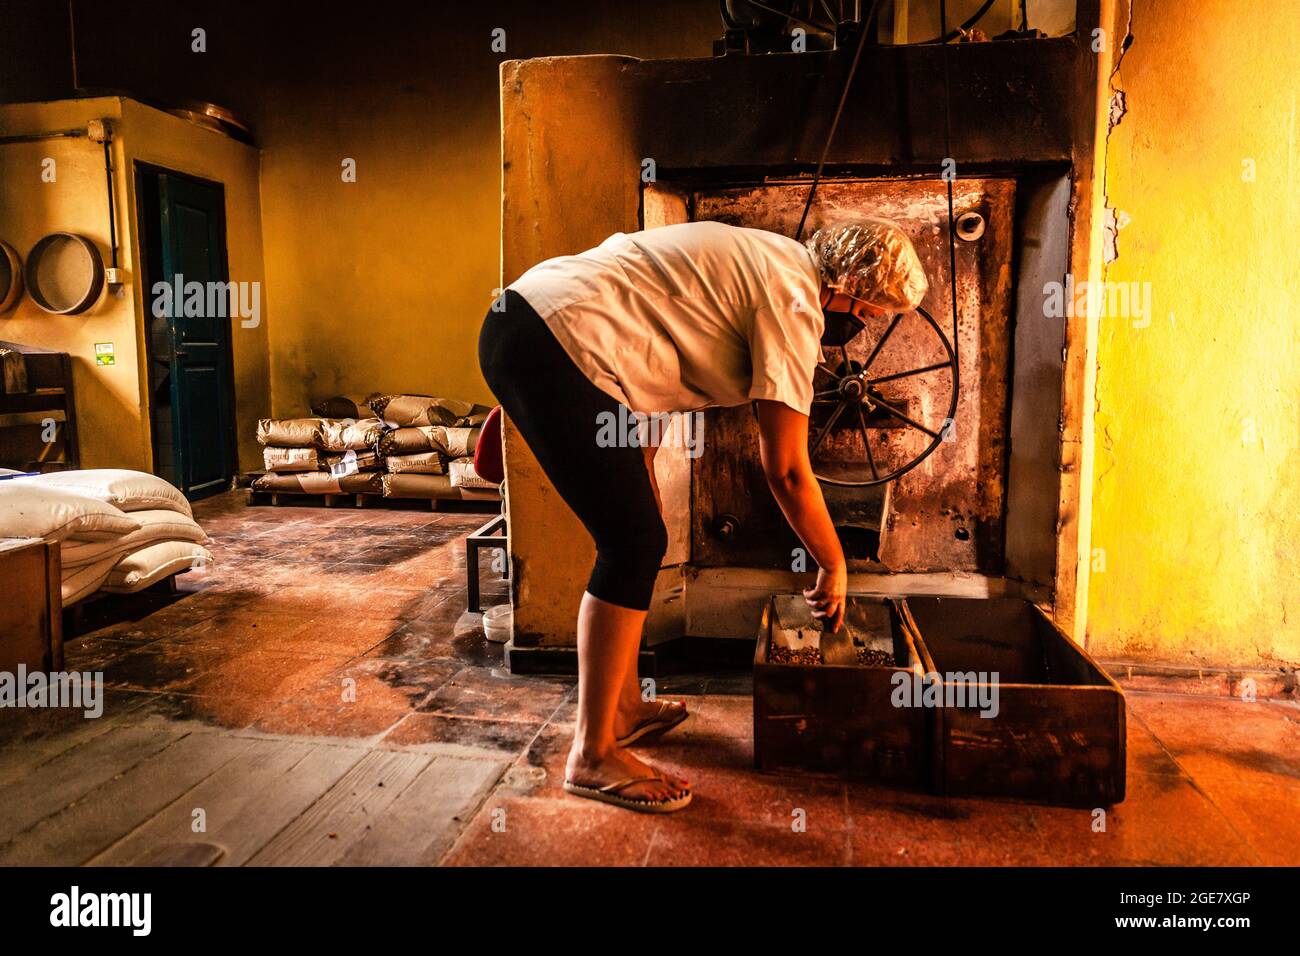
column 837, row 648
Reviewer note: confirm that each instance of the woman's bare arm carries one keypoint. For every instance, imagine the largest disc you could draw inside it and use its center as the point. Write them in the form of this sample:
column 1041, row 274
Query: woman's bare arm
column 783, row 447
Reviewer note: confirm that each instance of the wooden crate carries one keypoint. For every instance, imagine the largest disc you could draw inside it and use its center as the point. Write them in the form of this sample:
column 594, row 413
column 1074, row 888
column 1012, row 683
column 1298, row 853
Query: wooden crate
column 1058, row 735
column 840, row 719
column 31, row 620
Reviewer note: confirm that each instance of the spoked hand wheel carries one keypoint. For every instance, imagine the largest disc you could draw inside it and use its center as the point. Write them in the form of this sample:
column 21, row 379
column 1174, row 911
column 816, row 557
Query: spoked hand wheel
column 889, row 403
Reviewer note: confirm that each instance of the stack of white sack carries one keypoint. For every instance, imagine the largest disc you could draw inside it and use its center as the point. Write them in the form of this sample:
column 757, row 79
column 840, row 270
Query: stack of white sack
column 118, row 531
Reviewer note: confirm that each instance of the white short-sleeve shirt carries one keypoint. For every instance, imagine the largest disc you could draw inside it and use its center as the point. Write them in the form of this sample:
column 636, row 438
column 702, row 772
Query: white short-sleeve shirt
column 684, row 317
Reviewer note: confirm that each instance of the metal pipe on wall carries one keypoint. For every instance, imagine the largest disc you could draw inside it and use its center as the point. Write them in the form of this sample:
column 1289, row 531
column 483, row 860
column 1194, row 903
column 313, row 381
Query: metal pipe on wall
column 107, row 140
column 37, row 137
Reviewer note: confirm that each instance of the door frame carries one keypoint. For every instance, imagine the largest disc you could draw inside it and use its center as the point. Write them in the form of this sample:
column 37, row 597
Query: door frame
column 148, row 276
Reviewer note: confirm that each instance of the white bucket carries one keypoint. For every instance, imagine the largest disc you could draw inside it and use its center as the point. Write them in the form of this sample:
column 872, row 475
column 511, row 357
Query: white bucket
column 498, row 623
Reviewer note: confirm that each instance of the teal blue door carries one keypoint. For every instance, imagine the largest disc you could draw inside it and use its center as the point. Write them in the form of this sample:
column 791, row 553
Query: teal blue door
column 190, row 344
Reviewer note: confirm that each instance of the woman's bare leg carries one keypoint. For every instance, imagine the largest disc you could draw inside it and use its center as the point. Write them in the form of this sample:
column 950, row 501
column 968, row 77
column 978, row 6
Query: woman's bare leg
column 608, row 639
column 633, row 707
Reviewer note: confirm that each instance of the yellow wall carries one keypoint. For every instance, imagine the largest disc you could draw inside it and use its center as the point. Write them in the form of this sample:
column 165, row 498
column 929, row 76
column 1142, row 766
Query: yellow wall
column 113, row 429
column 1196, row 511
column 380, row 284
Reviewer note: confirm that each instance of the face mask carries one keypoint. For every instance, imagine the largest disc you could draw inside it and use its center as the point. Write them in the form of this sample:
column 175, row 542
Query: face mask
column 840, row 328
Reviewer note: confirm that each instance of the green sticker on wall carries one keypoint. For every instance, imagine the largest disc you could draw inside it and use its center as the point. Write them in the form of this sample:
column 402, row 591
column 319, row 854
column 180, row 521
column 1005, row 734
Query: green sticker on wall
column 104, row 354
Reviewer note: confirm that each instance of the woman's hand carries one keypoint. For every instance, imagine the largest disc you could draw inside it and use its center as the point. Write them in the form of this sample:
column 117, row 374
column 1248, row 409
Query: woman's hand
column 827, row 598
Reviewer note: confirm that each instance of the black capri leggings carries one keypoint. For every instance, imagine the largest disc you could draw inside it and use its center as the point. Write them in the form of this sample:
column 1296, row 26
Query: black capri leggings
column 555, row 408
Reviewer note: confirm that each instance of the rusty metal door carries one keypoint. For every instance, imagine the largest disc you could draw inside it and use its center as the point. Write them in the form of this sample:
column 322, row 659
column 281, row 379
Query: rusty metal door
column 947, row 513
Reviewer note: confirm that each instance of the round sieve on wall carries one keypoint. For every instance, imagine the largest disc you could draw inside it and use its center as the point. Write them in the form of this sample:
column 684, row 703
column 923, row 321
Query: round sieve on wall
column 11, row 277
column 65, row 273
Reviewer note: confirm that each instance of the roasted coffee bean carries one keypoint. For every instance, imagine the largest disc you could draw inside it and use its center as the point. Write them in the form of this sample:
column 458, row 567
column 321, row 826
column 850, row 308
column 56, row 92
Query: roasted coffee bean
column 811, row 656
column 871, row 657
column 804, row 656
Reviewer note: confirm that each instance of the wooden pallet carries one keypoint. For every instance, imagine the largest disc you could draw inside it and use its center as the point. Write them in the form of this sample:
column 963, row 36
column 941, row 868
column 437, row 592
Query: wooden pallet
column 296, row 499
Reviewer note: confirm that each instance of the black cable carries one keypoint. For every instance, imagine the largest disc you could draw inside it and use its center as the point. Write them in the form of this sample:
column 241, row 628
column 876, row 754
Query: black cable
column 947, row 149
column 947, row 37
column 835, row 122
column 72, row 43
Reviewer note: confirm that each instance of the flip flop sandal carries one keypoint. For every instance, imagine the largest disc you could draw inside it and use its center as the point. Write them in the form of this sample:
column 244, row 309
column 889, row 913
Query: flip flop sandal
column 658, row 724
column 610, row 793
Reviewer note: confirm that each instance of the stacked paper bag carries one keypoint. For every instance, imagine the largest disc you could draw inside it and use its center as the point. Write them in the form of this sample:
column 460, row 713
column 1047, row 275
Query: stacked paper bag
column 320, row 455
column 400, row 446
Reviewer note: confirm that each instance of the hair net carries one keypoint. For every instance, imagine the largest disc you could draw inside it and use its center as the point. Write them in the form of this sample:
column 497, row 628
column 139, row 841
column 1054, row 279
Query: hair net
column 872, row 260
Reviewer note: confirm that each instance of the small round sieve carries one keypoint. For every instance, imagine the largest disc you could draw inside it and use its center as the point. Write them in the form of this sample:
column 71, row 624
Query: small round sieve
column 65, row 273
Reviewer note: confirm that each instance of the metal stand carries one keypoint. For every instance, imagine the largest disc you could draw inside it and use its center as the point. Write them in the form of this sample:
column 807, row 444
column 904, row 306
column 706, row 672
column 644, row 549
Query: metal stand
column 490, row 535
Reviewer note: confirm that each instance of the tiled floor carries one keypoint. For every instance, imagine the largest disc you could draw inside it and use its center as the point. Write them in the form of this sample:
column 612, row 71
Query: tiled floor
column 320, row 695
